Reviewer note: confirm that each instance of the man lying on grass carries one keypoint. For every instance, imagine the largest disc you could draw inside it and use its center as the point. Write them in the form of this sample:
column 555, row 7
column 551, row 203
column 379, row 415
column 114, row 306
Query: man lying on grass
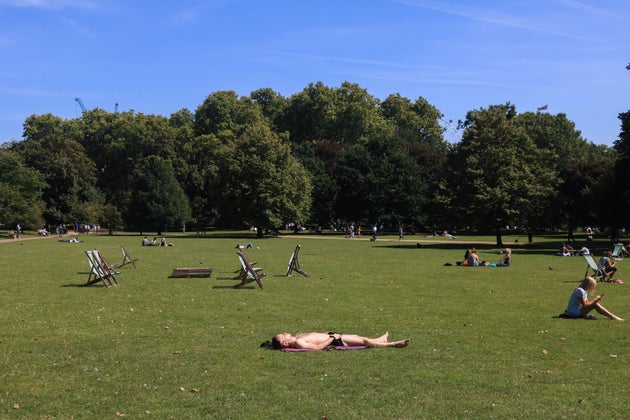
column 321, row 341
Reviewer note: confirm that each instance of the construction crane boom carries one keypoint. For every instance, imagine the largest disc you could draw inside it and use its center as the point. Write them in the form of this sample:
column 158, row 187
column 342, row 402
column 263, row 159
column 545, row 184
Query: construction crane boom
column 80, row 102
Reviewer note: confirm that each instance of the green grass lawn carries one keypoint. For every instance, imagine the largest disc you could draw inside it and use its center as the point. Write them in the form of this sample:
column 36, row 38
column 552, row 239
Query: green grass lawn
column 484, row 341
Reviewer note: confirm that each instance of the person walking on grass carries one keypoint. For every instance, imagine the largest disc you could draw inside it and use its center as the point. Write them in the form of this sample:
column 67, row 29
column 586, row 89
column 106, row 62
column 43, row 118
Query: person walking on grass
column 579, row 306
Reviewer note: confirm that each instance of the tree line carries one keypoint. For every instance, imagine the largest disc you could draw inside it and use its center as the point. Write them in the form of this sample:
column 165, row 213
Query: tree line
column 323, row 156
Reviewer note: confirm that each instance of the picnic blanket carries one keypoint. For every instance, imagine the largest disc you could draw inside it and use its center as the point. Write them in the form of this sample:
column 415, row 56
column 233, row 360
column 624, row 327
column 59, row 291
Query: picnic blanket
column 289, row 349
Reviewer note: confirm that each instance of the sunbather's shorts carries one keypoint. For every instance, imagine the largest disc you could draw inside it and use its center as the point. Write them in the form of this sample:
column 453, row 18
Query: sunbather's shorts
column 336, row 341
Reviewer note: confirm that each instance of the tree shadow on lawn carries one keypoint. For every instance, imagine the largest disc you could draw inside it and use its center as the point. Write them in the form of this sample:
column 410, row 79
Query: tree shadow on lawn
column 542, row 248
column 83, row 285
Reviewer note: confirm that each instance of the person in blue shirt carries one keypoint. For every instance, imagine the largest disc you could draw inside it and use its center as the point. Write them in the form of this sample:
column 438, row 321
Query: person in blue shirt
column 579, row 305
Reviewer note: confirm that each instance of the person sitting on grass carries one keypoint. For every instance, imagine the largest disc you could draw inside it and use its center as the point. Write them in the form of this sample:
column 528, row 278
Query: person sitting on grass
column 322, row 340
column 505, row 261
column 579, row 306
column 473, row 259
column 566, row 251
column 608, row 264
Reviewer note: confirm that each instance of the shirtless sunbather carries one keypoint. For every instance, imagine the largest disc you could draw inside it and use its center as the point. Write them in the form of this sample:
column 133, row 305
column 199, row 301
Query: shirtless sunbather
column 322, row 340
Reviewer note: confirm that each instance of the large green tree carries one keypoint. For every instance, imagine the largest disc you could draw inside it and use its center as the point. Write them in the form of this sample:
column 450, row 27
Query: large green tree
column 580, row 168
column 226, row 111
column 621, row 191
column 259, row 182
column 500, row 177
column 158, row 202
column 51, row 146
column 379, row 183
column 20, row 193
column 119, row 142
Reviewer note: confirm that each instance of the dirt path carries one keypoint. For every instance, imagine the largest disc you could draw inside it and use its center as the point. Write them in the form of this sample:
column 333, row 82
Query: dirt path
column 27, row 238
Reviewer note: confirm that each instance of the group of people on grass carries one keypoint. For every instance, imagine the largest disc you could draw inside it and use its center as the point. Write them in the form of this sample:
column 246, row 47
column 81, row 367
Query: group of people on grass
column 471, row 259
column 578, row 306
column 567, row 250
column 154, row 242
column 606, row 262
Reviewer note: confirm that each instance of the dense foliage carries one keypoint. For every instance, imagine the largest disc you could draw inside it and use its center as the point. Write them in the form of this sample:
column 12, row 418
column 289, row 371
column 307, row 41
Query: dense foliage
column 324, row 156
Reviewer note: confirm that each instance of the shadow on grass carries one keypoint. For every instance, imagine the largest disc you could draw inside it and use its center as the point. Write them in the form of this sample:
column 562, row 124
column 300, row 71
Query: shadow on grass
column 549, row 249
column 235, row 288
column 82, row 285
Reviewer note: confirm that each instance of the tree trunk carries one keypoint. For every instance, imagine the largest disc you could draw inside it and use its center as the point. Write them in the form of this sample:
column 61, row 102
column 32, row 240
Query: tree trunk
column 499, row 239
column 259, row 232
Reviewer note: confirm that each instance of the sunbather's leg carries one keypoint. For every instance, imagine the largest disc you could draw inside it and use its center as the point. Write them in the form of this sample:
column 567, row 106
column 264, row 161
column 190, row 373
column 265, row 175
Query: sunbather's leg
column 357, row 340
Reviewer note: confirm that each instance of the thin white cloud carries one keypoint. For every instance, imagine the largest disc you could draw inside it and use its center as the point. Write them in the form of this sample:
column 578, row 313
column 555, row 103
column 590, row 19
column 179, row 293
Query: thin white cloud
column 400, row 75
column 194, row 14
column 49, row 4
column 301, row 57
column 483, row 15
column 79, row 28
column 30, row 92
column 586, row 8
column 185, row 16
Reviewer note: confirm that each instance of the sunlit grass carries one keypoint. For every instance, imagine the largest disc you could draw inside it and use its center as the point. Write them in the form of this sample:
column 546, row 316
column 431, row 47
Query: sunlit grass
column 484, row 340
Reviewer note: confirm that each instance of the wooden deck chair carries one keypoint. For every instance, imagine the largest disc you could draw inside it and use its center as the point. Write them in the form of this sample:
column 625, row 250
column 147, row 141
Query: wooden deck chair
column 619, row 251
column 595, row 269
column 110, row 269
column 248, row 273
column 127, row 258
column 294, row 264
column 98, row 271
column 109, row 266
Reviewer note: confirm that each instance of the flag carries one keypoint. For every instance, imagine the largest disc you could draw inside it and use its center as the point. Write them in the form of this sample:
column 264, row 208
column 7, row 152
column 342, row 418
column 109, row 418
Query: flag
column 542, row 108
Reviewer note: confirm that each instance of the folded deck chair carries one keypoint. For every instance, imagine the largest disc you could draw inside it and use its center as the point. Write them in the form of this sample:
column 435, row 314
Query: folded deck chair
column 294, row 264
column 619, row 251
column 110, row 269
column 99, row 271
column 248, row 273
column 127, row 258
column 595, row 268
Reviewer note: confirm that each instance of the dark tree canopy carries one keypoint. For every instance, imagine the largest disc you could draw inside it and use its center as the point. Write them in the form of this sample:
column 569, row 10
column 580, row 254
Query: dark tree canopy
column 323, row 156
column 500, row 177
column 158, row 201
column 20, row 193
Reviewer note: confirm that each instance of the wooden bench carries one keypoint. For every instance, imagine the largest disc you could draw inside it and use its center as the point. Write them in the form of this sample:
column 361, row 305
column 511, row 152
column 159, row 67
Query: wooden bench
column 192, row 272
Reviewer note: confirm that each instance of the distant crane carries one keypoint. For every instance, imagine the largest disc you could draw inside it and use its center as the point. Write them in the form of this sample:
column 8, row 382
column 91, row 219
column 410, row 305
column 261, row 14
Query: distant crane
column 80, row 102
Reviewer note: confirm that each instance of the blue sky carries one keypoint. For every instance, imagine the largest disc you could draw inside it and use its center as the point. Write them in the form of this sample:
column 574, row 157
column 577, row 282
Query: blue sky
column 157, row 57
